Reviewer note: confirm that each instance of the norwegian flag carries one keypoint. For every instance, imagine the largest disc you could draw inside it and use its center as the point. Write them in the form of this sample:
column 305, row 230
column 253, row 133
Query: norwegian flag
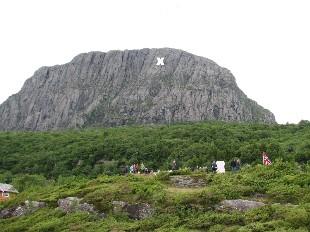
column 266, row 160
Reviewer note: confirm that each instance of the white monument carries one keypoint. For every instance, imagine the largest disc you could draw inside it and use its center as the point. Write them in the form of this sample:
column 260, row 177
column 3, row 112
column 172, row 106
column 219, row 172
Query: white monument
column 220, row 166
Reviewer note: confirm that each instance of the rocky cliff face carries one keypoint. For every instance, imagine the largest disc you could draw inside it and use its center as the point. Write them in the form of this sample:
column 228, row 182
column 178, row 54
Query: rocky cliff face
column 125, row 87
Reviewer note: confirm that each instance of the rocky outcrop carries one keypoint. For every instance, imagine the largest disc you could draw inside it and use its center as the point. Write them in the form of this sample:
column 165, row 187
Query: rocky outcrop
column 128, row 87
column 24, row 209
column 67, row 205
column 240, row 205
column 119, row 206
column 187, row 182
column 136, row 211
column 74, row 204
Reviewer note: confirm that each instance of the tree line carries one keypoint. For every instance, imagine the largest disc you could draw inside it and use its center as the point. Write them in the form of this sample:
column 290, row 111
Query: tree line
column 94, row 151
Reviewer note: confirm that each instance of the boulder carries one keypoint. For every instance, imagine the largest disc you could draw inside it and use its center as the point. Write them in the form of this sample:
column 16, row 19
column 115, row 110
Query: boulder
column 119, row 206
column 26, row 208
column 137, row 211
column 69, row 204
column 74, row 204
column 7, row 213
column 187, row 182
column 239, row 204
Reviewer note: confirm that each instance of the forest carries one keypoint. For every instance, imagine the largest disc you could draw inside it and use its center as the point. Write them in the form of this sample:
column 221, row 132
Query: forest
column 90, row 152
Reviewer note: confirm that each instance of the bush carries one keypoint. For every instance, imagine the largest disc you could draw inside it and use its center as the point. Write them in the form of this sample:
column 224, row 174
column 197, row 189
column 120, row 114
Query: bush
column 163, row 176
column 91, row 152
column 23, row 182
column 286, row 193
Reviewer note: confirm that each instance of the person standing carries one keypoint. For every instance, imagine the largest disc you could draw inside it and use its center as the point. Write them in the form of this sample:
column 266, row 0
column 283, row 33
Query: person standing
column 142, row 167
column 174, row 165
column 238, row 164
column 213, row 166
column 137, row 168
column 233, row 165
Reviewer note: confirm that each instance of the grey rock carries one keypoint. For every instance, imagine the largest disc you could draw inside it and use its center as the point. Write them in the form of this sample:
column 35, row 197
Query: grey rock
column 27, row 208
column 69, row 204
column 239, row 204
column 74, row 204
column 137, row 211
column 7, row 213
column 187, row 182
column 119, row 206
column 127, row 87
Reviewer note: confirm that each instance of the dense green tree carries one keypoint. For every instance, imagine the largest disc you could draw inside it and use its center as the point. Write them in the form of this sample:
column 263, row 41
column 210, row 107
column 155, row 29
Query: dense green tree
column 81, row 152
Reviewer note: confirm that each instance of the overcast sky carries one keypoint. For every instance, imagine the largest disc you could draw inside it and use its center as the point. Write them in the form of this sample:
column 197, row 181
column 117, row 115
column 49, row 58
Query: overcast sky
column 265, row 44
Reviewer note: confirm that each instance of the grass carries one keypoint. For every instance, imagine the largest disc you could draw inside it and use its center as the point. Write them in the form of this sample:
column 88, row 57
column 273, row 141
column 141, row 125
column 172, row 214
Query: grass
column 184, row 190
column 287, row 196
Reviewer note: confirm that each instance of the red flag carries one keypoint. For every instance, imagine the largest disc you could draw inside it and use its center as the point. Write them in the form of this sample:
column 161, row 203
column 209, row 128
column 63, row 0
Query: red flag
column 266, row 160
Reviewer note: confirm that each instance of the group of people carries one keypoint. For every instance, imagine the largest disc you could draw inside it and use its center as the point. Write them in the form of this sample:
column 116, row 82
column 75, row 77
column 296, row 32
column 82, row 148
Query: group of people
column 216, row 166
column 235, row 165
column 137, row 169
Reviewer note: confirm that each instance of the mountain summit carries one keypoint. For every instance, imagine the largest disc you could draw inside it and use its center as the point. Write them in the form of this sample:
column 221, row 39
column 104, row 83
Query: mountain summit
column 129, row 87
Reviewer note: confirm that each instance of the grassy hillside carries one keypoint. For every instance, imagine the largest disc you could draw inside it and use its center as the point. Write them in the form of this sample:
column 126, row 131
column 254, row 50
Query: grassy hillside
column 284, row 187
column 95, row 151
column 47, row 166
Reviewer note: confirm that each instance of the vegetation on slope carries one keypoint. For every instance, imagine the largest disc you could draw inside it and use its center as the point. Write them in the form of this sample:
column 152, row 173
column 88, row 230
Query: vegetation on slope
column 47, row 166
column 284, row 187
column 95, row 151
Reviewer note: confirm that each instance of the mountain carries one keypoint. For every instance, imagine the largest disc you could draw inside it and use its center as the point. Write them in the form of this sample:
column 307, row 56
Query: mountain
column 129, row 87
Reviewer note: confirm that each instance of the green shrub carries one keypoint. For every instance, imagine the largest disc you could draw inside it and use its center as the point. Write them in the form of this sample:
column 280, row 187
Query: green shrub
column 286, row 193
column 22, row 182
column 163, row 176
column 91, row 152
